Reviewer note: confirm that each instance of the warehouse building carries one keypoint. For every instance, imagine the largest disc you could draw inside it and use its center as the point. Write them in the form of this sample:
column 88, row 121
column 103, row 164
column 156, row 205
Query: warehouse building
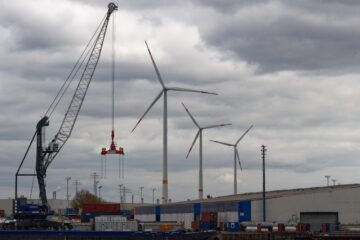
column 334, row 205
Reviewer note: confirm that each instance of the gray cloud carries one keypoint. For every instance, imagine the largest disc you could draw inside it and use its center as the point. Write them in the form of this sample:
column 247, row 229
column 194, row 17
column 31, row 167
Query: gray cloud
column 296, row 35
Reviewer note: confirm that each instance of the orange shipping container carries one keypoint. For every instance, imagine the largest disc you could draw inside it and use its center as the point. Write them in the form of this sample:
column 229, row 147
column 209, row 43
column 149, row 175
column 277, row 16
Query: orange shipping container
column 165, row 228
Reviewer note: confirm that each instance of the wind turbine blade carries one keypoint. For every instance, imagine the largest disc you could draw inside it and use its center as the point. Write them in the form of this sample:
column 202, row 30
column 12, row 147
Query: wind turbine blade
column 243, row 135
column 218, row 125
column 156, row 69
column 227, row 144
column 238, row 158
column 192, row 118
column 147, row 110
column 192, row 145
column 190, row 90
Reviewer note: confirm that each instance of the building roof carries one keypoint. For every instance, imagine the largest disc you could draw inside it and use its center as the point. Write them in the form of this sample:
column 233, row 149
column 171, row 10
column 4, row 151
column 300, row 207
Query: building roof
column 274, row 194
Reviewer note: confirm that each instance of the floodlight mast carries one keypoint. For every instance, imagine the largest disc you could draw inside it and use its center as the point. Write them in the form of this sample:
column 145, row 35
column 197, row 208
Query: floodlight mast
column 164, row 91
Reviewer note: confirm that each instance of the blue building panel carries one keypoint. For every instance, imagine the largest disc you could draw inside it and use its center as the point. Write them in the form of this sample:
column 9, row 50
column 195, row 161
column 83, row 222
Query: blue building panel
column 244, row 211
column 197, row 211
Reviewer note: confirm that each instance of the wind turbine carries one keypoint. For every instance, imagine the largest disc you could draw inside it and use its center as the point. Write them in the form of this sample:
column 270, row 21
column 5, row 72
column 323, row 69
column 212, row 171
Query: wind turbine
column 199, row 133
column 236, row 155
column 164, row 91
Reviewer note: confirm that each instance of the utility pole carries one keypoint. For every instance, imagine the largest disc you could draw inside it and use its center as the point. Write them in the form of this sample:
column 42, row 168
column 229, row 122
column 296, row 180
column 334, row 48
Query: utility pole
column 327, row 180
column 54, row 195
column 334, row 181
column 141, row 196
column 121, row 198
column 124, row 194
column 95, row 176
column 263, row 151
column 153, row 195
column 67, row 190
column 76, row 183
column 100, row 192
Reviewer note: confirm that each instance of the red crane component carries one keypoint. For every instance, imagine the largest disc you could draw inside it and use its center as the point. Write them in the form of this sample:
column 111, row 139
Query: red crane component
column 112, row 149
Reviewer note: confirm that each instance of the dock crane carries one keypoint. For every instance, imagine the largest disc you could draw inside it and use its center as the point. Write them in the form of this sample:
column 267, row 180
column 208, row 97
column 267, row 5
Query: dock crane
column 45, row 156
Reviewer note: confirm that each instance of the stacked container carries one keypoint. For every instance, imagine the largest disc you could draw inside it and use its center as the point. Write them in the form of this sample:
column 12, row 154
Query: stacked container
column 114, row 223
column 232, row 227
column 90, row 211
column 162, row 226
column 208, row 221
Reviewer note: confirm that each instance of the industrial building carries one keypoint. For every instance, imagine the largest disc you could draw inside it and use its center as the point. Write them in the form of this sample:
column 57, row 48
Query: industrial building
column 334, row 205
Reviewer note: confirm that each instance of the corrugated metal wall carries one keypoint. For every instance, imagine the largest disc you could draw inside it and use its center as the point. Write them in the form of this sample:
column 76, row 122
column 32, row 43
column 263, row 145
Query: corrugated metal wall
column 145, row 210
column 219, row 207
column 177, row 208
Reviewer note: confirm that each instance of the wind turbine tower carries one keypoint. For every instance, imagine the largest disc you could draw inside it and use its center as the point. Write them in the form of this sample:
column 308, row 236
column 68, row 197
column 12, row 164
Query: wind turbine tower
column 164, row 91
column 236, row 155
column 199, row 134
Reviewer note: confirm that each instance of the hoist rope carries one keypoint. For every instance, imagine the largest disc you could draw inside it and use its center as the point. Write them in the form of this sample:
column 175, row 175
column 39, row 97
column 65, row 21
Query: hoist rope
column 72, row 74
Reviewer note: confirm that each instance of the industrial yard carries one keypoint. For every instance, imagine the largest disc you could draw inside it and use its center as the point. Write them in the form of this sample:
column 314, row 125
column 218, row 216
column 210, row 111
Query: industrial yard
column 186, row 120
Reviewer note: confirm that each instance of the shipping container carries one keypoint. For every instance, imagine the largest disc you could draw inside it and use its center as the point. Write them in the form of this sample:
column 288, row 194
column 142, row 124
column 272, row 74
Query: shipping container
column 208, row 225
column 158, row 226
column 82, row 226
column 195, row 225
column 86, row 217
column 116, row 226
column 232, row 227
column 209, row 216
column 110, row 218
column 101, row 207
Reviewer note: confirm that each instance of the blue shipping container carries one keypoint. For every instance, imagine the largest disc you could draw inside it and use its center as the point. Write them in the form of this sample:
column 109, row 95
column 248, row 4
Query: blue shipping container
column 232, row 227
column 86, row 217
column 208, row 225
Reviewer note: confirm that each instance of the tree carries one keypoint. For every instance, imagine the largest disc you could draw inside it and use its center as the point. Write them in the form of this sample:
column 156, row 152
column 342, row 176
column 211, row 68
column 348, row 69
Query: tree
column 84, row 197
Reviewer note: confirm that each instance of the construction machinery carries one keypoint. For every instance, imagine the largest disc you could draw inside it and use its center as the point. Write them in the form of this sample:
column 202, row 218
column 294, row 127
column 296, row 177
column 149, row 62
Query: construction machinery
column 39, row 216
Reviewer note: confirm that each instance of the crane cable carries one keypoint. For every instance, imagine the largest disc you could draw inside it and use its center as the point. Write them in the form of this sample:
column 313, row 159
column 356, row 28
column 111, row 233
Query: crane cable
column 69, row 80
column 113, row 69
column 72, row 74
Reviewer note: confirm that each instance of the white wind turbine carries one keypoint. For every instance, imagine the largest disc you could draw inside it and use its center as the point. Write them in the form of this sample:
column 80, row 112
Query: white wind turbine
column 199, row 133
column 236, row 155
column 164, row 91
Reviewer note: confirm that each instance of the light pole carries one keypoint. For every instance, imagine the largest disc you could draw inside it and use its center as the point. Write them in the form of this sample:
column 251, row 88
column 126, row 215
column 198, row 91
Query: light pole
column 67, row 190
column 153, row 195
column 327, row 180
column 121, row 198
column 263, row 151
column 334, row 181
column 96, row 187
column 100, row 192
column 141, row 196
column 124, row 194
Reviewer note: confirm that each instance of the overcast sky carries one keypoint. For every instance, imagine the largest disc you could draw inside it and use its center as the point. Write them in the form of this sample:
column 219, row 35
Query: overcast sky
column 290, row 68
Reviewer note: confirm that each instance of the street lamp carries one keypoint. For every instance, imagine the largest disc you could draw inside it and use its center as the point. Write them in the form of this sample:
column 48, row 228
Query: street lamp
column 67, row 190
column 141, row 196
column 153, row 195
column 100, row 192
column 121, row 198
